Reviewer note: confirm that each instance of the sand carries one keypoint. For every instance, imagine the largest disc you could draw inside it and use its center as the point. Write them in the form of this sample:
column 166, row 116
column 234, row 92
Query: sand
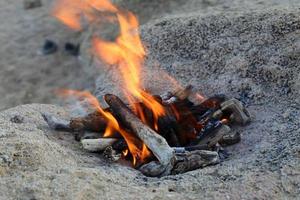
column 249, row 50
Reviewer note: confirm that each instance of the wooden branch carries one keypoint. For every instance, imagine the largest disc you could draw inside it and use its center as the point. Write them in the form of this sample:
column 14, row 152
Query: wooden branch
column 92, row 122
column 184, row 162
column 56, row 123
column 212, row 138
column 156, row 169
column 184, row 93
column 239, row 114
column 95, row 145
column 194, row 160
column 157, row 144
column 230, row 138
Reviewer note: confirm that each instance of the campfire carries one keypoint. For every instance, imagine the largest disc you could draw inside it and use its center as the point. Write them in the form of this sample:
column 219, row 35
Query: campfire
column 160, row 135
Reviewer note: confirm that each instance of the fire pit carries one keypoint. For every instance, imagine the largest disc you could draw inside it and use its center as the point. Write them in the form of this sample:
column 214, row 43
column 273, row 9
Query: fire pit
column 160, row 135
column 187, row 137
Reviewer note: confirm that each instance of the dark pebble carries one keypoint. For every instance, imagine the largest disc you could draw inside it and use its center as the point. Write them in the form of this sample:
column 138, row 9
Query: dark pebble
column 17, row 119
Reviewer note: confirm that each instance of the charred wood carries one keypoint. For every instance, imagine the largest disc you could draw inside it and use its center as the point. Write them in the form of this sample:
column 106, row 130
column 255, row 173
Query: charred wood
column 157, row 144
column 212, row 137
column 120, row 145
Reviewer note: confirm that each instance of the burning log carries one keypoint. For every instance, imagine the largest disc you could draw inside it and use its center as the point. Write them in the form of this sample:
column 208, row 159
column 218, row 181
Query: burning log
column 157, row 144
column 96, row 145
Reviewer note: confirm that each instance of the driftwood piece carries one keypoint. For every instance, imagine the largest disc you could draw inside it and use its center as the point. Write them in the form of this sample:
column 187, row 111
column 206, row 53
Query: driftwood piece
column 239, row 114
column 155, row 169
column 89, row 135
column 215, row 136
column 184, row 162
column 157, row 144
column 92, row 122
column 230, row 138
column 56, row 123
column 194, row 160
column 182, row 94
column 190, row 148
column 95, row 145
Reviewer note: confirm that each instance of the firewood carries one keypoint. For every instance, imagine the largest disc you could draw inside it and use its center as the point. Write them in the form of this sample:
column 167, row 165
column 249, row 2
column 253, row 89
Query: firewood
column 157, row 144
column 56, row 123
column 209, row 105
column 156, row 169
column 90, row 135
column 213, row 137
column 194, row 160
column 237, row 112
column 182, row 94
column 230, row 138
column 184, row 162
column 190, row 148
column 91, row 122
column 95, row 145
column 120, row 145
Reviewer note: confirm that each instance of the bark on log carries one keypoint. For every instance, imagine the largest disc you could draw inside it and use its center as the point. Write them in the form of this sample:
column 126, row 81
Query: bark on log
column 157, row 144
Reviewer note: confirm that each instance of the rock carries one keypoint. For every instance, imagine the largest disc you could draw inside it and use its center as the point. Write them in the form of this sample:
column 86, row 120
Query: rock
column 17, row 119
column 30, row 4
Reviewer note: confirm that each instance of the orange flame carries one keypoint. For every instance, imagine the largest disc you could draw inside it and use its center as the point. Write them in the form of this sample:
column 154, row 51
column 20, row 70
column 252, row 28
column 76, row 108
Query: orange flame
column 136, row 147
column 71, row 12
column 126, row 51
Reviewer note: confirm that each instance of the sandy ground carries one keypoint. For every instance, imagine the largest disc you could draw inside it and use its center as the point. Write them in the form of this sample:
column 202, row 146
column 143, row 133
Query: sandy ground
column 249, row 50
column 26, row 76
